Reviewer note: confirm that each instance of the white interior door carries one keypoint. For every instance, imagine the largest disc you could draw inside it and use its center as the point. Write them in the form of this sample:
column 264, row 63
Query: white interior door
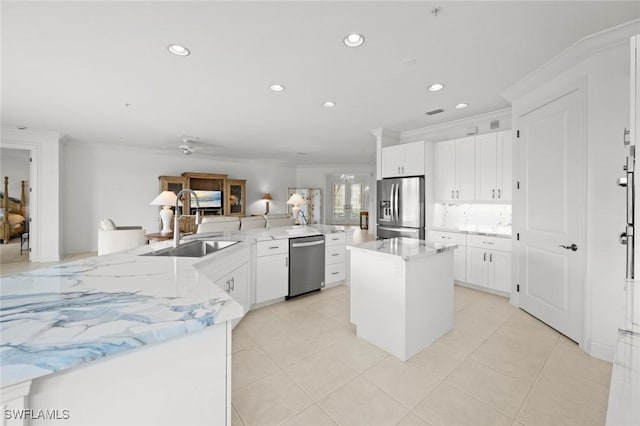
column 552, row 204
column 347, row 200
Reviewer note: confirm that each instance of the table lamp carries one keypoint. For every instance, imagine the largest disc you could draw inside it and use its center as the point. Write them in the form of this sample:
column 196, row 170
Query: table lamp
column 166, row 199
column 267, row 197
column 296, row 200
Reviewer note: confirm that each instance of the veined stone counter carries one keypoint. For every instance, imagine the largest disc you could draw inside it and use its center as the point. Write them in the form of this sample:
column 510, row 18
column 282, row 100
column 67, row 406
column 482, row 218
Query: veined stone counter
column 406, row 248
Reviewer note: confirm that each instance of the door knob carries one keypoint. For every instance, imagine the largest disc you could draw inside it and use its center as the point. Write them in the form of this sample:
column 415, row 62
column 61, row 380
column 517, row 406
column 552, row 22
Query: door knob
column 572, row 247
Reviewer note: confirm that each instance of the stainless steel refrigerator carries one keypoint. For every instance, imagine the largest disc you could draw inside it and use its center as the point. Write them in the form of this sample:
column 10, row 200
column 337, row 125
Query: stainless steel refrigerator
column 401, row 208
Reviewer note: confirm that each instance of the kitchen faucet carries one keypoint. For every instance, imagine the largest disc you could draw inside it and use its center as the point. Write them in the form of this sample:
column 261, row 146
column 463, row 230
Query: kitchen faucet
column 176, row 226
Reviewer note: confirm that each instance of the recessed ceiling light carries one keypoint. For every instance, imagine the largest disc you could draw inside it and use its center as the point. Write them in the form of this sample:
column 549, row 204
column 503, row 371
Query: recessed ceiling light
column 276, row 87
column 353, row 40
column 329, row 104
column 460, row 106
column 435, row 87
column 176, row 49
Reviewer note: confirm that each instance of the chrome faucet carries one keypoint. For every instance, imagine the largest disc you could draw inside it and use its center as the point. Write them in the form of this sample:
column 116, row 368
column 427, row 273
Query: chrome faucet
column 176, row 226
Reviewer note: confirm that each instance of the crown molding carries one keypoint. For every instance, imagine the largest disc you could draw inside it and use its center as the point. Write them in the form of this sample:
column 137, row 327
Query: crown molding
column 577, row 52
column 425, row 132
column 383, row 132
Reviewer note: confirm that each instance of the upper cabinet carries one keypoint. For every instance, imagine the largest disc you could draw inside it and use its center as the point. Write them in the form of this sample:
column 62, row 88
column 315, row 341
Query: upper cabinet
column 474, row 168
column 493, row 166
column 236, row 192
column 403, row 160
column 455, row 169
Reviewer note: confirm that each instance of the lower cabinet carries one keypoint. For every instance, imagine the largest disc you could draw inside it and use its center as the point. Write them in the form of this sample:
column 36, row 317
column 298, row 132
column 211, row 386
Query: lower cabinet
column 459, row 254
column 236, row 284
column 334, row 255
column 481, row 260
column 272, row 270
column 489, row 262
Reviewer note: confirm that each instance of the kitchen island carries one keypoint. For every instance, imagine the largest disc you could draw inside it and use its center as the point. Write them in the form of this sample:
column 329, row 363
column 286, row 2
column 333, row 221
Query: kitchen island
column 129, row 338
column 402, row 293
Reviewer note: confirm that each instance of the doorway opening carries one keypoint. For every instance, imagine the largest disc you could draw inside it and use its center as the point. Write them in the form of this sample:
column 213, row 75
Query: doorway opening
column 15, row 164
column 349, row 195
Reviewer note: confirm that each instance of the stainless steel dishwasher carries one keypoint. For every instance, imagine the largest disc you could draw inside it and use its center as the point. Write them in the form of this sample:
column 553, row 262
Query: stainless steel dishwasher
column 306, row 265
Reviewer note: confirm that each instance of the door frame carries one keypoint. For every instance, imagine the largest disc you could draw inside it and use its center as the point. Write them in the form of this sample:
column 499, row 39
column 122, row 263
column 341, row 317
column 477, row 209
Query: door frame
column 544, row 95
column 332, row 177
column 32, row 193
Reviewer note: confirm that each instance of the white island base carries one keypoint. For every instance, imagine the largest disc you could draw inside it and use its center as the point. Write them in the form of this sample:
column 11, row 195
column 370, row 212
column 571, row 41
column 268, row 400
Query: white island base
column 182, row 381
column 401, row 294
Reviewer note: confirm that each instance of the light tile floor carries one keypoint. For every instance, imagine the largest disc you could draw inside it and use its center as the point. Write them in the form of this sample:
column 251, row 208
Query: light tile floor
column 299, row 363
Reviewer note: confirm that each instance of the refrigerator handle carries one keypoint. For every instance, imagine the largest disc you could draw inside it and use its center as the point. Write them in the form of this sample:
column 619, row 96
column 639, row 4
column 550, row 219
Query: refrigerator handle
column 397, row 201
column 392, row 201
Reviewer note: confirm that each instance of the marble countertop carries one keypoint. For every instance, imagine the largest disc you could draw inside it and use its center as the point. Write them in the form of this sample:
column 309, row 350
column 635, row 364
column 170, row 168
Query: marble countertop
column 279, row 233
column 55, row 318
column 407, row 248
column 495, row 231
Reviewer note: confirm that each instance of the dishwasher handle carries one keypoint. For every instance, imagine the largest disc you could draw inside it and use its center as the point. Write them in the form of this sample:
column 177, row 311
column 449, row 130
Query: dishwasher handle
column 312, row 243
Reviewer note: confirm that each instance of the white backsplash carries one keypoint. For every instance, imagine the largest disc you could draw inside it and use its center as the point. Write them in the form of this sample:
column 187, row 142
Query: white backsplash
column 472, row 217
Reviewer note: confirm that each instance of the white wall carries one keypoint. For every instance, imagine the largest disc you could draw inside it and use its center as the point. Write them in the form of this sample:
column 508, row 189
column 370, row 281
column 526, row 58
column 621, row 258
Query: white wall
column 608, row 115
column 316, row 177
column 45, row 241
column 14, row 163
column 101, row 182
column 605, row 68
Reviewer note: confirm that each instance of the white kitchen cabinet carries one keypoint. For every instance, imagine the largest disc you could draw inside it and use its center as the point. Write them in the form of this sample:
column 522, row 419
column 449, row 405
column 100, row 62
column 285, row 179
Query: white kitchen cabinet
column 334, row 257
column 493, row 166
column 489, row 262
column 236, row 284
column 403, row 160
column 459, row 254
column 455, row 169
column 272, row 270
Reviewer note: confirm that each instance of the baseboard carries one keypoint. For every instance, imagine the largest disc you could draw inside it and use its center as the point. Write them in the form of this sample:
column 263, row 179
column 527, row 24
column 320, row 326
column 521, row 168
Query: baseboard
column 600, row 351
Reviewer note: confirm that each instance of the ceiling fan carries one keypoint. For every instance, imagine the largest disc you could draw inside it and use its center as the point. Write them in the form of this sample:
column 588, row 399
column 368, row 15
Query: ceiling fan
column 192, row 144
column 186, row 147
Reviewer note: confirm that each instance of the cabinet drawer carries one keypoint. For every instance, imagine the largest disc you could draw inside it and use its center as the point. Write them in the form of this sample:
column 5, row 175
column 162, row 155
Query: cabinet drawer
column 334, row 239
column 493, row 243
column 448, row 237
column 334, row 273
column 334, row 254
column 266, row 248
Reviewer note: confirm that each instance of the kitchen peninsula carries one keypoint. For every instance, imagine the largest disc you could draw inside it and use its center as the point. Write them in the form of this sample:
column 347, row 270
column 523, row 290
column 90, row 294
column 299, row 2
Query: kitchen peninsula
column 129, row 338
column 402, row 293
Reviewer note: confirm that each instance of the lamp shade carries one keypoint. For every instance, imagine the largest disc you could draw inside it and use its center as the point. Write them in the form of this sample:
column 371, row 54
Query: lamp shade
column 267, row 196
column 166, row 198
column 296, row 200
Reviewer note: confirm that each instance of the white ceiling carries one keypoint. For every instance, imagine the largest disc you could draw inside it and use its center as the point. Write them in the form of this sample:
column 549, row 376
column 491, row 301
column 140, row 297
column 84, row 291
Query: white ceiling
column 72, row 67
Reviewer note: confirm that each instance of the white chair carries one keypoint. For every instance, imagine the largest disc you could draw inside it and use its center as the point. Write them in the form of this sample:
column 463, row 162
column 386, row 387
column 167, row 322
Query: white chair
column 279, row 219
column 112, row 239
column 219, row 224
column 252, row 222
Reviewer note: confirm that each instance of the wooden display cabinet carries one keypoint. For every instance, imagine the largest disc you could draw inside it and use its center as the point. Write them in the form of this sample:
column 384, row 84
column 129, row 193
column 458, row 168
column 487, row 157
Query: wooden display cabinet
column 235, row 197
column 206, row 182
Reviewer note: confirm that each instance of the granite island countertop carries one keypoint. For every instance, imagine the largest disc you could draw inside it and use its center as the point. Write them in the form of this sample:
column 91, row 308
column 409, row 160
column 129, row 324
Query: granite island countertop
column 407, row 248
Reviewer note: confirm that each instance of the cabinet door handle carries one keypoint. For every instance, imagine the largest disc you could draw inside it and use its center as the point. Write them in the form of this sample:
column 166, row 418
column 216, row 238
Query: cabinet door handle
column 398, row 169
column 402, row 169
column 490, row 243
column 335, row 254
column 490, row 257
column 457, row 193
column 452, row 195
column 286, row 261
column 227, row 286
column 273, row 247
column 335, row 273
column 498, row 193
column 493, row 193
column 484, row 258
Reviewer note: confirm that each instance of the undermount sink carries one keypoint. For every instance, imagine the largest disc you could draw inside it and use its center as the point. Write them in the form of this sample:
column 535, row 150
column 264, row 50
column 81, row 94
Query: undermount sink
column 193, row 249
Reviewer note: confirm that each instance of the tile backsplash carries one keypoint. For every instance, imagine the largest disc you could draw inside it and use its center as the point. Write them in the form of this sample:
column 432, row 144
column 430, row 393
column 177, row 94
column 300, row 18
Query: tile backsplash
column 472, row 215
